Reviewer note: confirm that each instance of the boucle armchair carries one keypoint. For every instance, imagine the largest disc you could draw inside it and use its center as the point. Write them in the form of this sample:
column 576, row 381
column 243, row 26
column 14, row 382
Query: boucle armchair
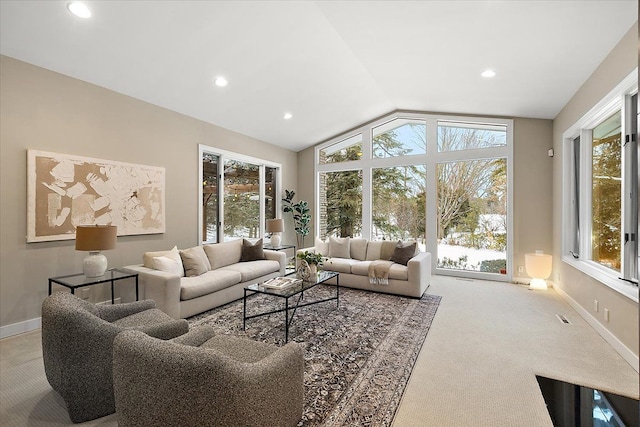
column 203, row 379
column 77, row 346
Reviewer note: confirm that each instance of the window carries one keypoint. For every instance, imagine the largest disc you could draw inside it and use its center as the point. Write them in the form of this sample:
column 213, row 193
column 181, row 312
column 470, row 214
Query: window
column 601, row 182
column 400, row 137
column 238, row 193
column 343, row 151
column 441, row 181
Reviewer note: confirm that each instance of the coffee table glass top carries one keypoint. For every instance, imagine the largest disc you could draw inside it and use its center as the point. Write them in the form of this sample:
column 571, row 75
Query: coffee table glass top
column 323, row 276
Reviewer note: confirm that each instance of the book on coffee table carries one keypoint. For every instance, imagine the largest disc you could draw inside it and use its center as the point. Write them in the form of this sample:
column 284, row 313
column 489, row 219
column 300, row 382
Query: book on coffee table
column 281, row 282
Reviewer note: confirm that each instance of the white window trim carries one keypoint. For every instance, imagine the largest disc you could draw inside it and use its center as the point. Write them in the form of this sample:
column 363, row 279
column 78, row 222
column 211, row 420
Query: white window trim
column 612, row 102
column 225, row 155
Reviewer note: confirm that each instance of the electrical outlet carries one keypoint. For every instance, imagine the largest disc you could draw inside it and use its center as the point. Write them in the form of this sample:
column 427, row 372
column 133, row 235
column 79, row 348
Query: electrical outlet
column 606, row 314
column 595, row 305
column 520, row 269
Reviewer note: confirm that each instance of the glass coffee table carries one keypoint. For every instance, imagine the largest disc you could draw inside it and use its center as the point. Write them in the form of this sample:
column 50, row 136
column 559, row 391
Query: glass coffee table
column 296, row 290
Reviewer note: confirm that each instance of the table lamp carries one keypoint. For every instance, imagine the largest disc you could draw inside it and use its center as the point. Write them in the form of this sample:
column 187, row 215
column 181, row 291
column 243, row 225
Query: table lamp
column 275, row 227
column 95, row 238
column 538, row 266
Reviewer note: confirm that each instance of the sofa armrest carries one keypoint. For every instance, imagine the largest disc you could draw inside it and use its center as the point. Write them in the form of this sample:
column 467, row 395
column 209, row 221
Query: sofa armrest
column 279, row 256
column 311, row 249
column 161, row 287
column 419, row 271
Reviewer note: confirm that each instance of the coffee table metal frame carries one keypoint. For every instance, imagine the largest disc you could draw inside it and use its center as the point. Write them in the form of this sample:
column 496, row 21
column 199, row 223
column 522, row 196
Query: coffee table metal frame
column 292, row 291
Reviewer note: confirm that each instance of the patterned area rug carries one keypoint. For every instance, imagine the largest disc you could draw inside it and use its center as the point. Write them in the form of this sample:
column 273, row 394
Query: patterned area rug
column 358, row 356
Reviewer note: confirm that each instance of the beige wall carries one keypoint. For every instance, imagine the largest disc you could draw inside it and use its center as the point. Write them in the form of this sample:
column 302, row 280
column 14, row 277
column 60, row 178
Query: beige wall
column 532, row 186
column 623, row 324
column 48, row 111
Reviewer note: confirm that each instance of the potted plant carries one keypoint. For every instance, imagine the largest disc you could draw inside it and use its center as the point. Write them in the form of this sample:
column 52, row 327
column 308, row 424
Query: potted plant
column 312, row 259
column 301, row 216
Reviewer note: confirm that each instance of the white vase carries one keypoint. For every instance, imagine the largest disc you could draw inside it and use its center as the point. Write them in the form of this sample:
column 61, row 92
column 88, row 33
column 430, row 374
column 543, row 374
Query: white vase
column 313, row 270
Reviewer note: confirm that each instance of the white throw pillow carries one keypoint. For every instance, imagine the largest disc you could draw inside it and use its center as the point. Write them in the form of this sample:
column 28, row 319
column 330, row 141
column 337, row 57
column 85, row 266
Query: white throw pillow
column 321, row 246
column 173, row 253
column 339, row 247
column 168, row 265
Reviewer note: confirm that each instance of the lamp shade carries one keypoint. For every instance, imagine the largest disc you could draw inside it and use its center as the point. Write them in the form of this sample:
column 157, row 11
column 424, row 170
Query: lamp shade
column 538, row 265
column 96, row 237
column 275, row 225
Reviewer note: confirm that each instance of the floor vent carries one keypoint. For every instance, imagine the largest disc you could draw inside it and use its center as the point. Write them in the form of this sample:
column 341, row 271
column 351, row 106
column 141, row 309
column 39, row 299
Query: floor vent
column 563, row 319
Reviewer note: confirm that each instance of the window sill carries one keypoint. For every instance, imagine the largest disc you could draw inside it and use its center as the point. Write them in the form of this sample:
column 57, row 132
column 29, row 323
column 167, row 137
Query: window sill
column 606, row 278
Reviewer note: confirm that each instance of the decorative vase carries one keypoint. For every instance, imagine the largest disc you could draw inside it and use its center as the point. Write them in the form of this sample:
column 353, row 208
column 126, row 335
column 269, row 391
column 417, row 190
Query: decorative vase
column 313, row 270
column 304, row 270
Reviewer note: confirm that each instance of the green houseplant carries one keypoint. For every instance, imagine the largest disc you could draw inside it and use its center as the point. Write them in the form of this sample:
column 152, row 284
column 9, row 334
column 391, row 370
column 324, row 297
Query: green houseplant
column 301, row 216
column 312, row 258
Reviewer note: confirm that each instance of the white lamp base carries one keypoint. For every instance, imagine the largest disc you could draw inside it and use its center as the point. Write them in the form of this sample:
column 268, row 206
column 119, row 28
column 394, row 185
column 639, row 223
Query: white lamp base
column 94, row 264
column 276, row 240
column 538, row 285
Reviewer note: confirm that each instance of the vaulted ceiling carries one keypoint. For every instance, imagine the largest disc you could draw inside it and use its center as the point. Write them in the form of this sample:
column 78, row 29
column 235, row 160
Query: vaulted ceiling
column 331, row 64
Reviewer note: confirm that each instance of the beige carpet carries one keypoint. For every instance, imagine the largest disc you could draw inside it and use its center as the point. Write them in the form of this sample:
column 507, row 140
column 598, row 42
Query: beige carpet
column 478, row 363
column 477, row 366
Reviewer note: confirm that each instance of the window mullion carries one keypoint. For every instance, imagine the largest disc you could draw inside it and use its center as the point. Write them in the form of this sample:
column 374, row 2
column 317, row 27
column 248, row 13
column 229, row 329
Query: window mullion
column 586, row 166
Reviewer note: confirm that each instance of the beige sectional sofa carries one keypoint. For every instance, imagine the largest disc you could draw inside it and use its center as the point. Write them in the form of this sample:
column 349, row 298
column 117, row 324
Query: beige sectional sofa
column 188, row 282
column 352, row 258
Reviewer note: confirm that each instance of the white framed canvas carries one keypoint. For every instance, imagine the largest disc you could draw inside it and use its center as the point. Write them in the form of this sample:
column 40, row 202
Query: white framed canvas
column 65, row 191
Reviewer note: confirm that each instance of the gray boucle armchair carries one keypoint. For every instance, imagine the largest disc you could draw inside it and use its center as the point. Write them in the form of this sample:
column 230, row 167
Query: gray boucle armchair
column 202, row 379
column 77, row 347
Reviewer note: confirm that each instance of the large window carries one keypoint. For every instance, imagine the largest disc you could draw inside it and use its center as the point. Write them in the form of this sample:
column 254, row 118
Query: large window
column 438, row 180
column 238, row 193
column 601, row 190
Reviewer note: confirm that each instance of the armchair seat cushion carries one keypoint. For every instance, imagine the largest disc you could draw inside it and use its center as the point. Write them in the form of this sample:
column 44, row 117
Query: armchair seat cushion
column 144, row 318
column 207, row 283
column 242, row 350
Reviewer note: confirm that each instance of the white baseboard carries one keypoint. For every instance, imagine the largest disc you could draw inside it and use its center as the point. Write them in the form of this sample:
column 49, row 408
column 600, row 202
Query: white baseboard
column 617, row 345
column 20, row 327
column 33, row 324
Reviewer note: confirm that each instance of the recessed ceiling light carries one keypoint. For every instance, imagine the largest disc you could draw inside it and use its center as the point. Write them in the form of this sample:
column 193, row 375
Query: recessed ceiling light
column 488, row 73
column 287, row 116
column 79, row 9
column 220, row 81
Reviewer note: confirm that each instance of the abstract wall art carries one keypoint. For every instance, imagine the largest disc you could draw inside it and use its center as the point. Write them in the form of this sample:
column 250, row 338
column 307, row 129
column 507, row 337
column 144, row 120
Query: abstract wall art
column 65, row 191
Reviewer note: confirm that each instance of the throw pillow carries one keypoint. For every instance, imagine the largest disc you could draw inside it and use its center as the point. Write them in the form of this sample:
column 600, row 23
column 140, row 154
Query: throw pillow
column 321, row 246
column 339, row 247
column 147, row 258
column 386, row 250
column 402, row 254
column 195, row 261
column 251, row 251
column 168, row 265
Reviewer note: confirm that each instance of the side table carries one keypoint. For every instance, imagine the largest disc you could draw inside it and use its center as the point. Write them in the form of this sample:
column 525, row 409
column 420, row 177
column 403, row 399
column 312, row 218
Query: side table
column 288, row 270
column 75, row 281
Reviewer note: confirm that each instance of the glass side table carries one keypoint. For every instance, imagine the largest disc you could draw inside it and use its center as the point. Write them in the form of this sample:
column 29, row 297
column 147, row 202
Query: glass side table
column 75, row 281
column 291, row 262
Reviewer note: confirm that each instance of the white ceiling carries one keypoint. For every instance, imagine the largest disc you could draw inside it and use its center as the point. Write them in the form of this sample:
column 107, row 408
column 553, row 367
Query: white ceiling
column 332, row 64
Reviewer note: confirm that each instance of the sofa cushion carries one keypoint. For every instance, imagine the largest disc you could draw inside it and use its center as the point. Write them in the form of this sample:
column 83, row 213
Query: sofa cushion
column 251, row 251
column 321, row 246
column 207, row 283
column 396, row 271
column 168, row 265
column 339, row 247
column 253, row 269
column 402, row 254
column 223, row 254
column 380, row 249
column 341, row 265
column 147, row 258
column 195, row 261
column 358, row 248
column 143, row 318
